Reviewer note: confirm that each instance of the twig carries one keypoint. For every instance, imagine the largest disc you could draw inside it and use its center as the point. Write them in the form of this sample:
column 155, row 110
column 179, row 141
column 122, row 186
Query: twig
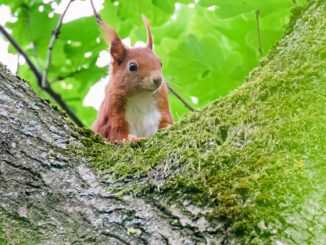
column 19, row 49
column 38, row 75
column 258, row 33
column 55, row 35
column 186, row 104
column 97, row 15
column 99, row 19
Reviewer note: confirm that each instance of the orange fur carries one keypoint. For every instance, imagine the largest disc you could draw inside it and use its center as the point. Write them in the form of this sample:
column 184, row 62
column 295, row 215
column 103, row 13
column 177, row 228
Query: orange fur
column 163, row 107
column 111, row 121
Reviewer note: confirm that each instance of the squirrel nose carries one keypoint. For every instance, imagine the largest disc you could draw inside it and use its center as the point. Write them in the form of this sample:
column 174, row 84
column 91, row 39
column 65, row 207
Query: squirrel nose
column 157, row 81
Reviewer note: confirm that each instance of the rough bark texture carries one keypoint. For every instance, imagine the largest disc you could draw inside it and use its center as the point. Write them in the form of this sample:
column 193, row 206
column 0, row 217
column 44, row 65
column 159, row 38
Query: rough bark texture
column 49, row 194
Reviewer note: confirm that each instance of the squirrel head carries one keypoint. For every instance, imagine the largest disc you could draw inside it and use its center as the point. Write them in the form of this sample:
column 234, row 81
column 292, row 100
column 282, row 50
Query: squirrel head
column 133, row 69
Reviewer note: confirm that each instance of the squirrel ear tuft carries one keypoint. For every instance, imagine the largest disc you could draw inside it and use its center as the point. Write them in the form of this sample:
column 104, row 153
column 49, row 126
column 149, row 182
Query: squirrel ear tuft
column 117, row 48
column 149, row 33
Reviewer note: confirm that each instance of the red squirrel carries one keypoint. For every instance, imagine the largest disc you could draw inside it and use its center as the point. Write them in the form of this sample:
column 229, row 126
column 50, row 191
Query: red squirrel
column 136, row 101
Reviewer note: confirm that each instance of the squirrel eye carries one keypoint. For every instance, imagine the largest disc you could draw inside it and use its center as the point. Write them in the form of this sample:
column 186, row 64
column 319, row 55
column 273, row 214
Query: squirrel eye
column 161, row 62
column 132, row 67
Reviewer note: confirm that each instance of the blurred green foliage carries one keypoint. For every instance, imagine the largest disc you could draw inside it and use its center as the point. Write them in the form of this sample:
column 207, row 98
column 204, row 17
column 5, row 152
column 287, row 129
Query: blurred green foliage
column 207, row 48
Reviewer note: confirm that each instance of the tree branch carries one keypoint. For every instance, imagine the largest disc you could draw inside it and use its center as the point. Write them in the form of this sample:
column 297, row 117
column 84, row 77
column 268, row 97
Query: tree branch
column 54, row 37
column 21, row 51
column 186, row 104
column 38, row 75
column 96, row 14
column 258, row 33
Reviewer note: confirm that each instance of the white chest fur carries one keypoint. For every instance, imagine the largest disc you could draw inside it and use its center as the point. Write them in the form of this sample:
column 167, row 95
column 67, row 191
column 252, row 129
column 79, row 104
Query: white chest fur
column 142, row 115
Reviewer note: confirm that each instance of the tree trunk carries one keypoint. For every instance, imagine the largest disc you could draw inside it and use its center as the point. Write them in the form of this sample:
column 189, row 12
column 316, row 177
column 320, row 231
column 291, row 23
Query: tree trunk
column 248, row 168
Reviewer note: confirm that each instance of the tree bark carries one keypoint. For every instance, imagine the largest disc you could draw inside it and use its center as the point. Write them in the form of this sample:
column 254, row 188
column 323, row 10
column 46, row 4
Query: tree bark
column 50, row 195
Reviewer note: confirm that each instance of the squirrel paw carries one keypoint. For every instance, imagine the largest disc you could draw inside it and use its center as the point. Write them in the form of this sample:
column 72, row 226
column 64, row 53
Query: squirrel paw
column 132, row 137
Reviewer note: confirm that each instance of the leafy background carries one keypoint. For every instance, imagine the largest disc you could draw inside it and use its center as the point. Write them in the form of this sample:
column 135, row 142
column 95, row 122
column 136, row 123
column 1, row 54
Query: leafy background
column 207, row 47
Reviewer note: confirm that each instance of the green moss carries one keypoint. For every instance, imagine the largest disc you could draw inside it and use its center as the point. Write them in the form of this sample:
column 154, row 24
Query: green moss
column 256, row 156
column 16, row 230
column 3, row 240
